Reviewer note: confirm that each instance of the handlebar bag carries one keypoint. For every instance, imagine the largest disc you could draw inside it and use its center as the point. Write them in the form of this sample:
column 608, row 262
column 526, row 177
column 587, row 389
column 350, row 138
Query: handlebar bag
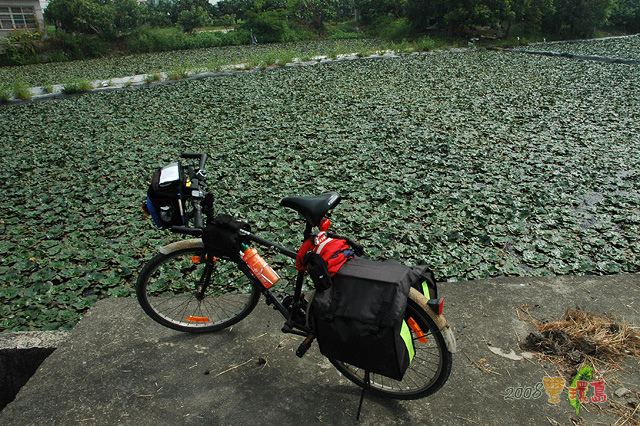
column 165, row 197
column 221, row 236
column 360, row 319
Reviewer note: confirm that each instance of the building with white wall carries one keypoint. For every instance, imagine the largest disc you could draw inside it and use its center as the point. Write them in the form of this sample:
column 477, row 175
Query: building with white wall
column 20, row 15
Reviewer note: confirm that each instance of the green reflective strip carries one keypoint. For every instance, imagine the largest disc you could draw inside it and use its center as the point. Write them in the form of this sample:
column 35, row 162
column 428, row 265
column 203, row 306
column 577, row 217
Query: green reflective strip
column 405, row 333
column 425, row 290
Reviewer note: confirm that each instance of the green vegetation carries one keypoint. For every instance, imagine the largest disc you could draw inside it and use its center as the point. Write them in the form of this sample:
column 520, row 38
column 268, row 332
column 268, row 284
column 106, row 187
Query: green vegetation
column 122, row 66
column 20, row 48
column 480, row 164
column 5, row 93
column 190, row 19
column 624, row 48
column 151, row 78
column 77, row 86
column 178, row 73
column 21, row 89
column 81, row 29
column 216, row 65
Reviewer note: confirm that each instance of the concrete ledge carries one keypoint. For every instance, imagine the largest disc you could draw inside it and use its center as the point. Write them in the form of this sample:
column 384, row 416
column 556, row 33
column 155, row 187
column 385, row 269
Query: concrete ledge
column 32, row 339
column 21, row 353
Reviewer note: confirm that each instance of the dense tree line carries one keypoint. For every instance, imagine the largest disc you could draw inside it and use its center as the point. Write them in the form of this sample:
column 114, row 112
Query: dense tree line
column 93, row 28
column 562, row 17
column 110, row 18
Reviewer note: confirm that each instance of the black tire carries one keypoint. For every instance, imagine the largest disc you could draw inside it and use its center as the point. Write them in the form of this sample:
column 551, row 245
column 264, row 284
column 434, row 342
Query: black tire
column 166, row 290
column 427, row 373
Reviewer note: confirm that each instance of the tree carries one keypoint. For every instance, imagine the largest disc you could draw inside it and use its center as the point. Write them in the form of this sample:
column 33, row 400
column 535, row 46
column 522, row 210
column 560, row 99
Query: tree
column 626, row 15
column 193, row 18
column 579, row 17
column 129, row 15
column 316, row 12
column 157, row 14
column 236, row 8
column 106, row 19
column 532, row 12
column 269, row 26
column 346, row 9
column 369, row 10
column 422, row 14
column 458, row 14
column 84, row 16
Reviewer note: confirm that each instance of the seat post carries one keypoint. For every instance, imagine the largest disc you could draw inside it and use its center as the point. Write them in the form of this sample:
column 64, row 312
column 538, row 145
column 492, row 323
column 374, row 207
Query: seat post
column 307, row 231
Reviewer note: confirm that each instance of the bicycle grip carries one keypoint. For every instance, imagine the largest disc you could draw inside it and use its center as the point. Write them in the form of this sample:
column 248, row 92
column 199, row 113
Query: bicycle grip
column 196, row 155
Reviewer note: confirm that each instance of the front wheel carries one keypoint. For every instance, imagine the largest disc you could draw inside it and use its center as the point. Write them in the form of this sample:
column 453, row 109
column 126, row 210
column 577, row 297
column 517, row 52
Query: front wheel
column 429, row 369
column 185, row 292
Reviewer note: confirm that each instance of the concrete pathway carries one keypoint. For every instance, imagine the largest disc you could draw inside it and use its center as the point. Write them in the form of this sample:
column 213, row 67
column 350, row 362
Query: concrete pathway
column 119, row 367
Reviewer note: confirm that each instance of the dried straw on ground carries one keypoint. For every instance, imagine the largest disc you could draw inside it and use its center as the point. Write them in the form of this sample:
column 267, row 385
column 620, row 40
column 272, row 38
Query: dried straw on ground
column 581, row 338
column 605, row 338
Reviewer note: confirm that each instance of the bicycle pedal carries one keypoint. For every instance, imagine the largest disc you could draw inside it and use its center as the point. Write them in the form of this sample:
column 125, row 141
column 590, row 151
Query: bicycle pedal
column 304, row 346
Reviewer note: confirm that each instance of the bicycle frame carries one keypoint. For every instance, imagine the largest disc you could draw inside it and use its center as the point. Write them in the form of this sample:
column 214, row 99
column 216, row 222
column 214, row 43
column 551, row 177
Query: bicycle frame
column 290, row 325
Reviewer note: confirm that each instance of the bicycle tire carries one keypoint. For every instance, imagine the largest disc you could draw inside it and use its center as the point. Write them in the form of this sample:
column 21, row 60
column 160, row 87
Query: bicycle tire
column 166, row 291
column 429, row 370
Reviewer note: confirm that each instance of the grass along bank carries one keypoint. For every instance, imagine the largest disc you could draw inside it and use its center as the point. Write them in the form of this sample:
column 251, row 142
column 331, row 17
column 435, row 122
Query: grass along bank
column 252, row 57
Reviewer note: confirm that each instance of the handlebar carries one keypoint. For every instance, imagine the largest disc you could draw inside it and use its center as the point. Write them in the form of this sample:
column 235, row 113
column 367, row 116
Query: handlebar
column 197, row 196
column 196, row 156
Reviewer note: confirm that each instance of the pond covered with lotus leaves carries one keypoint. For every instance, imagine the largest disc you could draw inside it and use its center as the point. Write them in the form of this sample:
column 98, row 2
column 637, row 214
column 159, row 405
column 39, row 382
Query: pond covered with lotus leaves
column 481, row 164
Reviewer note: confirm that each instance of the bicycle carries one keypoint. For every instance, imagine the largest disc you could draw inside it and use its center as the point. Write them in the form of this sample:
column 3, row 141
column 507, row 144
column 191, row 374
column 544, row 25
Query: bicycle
column 187, row 290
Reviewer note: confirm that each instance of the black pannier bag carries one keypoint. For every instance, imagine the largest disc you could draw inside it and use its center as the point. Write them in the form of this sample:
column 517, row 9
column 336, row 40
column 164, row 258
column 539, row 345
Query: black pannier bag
column 165, row 197
column 221, row 236
column 360, row 319
column 426, row 282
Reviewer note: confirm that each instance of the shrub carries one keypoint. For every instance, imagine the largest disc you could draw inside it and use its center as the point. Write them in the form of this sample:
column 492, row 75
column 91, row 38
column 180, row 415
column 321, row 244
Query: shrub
column 78, row 86
column 146, row 40
column 58, row 57
column 347, row 30
column 21, row 89
column 153, row 77
column 236, row 38
column 268, row 59
column 76, row 46
column 20, row 48
column 391, row 29
column 216, row 65
column 47, row 88
column 425, row 44
column 402, row 47
column 5, row 93
column 178, row 73
column 268, row 26
column 285, row 57
column 202, row 40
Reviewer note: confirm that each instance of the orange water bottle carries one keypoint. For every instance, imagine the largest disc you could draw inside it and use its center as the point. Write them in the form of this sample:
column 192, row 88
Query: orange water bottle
column 259, row 267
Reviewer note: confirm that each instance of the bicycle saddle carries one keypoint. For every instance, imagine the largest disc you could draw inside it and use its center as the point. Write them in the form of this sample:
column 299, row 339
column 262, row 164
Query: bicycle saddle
column 312, row 208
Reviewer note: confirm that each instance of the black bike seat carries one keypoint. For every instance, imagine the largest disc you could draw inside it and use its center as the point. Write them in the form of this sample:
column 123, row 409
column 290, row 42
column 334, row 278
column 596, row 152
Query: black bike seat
column 313, row 208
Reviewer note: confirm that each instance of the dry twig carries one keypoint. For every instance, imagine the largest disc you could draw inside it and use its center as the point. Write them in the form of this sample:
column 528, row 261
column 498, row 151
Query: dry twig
column 233, row 368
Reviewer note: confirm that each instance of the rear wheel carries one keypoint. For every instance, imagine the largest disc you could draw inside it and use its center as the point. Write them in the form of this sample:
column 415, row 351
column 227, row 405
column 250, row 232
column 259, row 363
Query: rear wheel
column 170, row 290
column 429, row 369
